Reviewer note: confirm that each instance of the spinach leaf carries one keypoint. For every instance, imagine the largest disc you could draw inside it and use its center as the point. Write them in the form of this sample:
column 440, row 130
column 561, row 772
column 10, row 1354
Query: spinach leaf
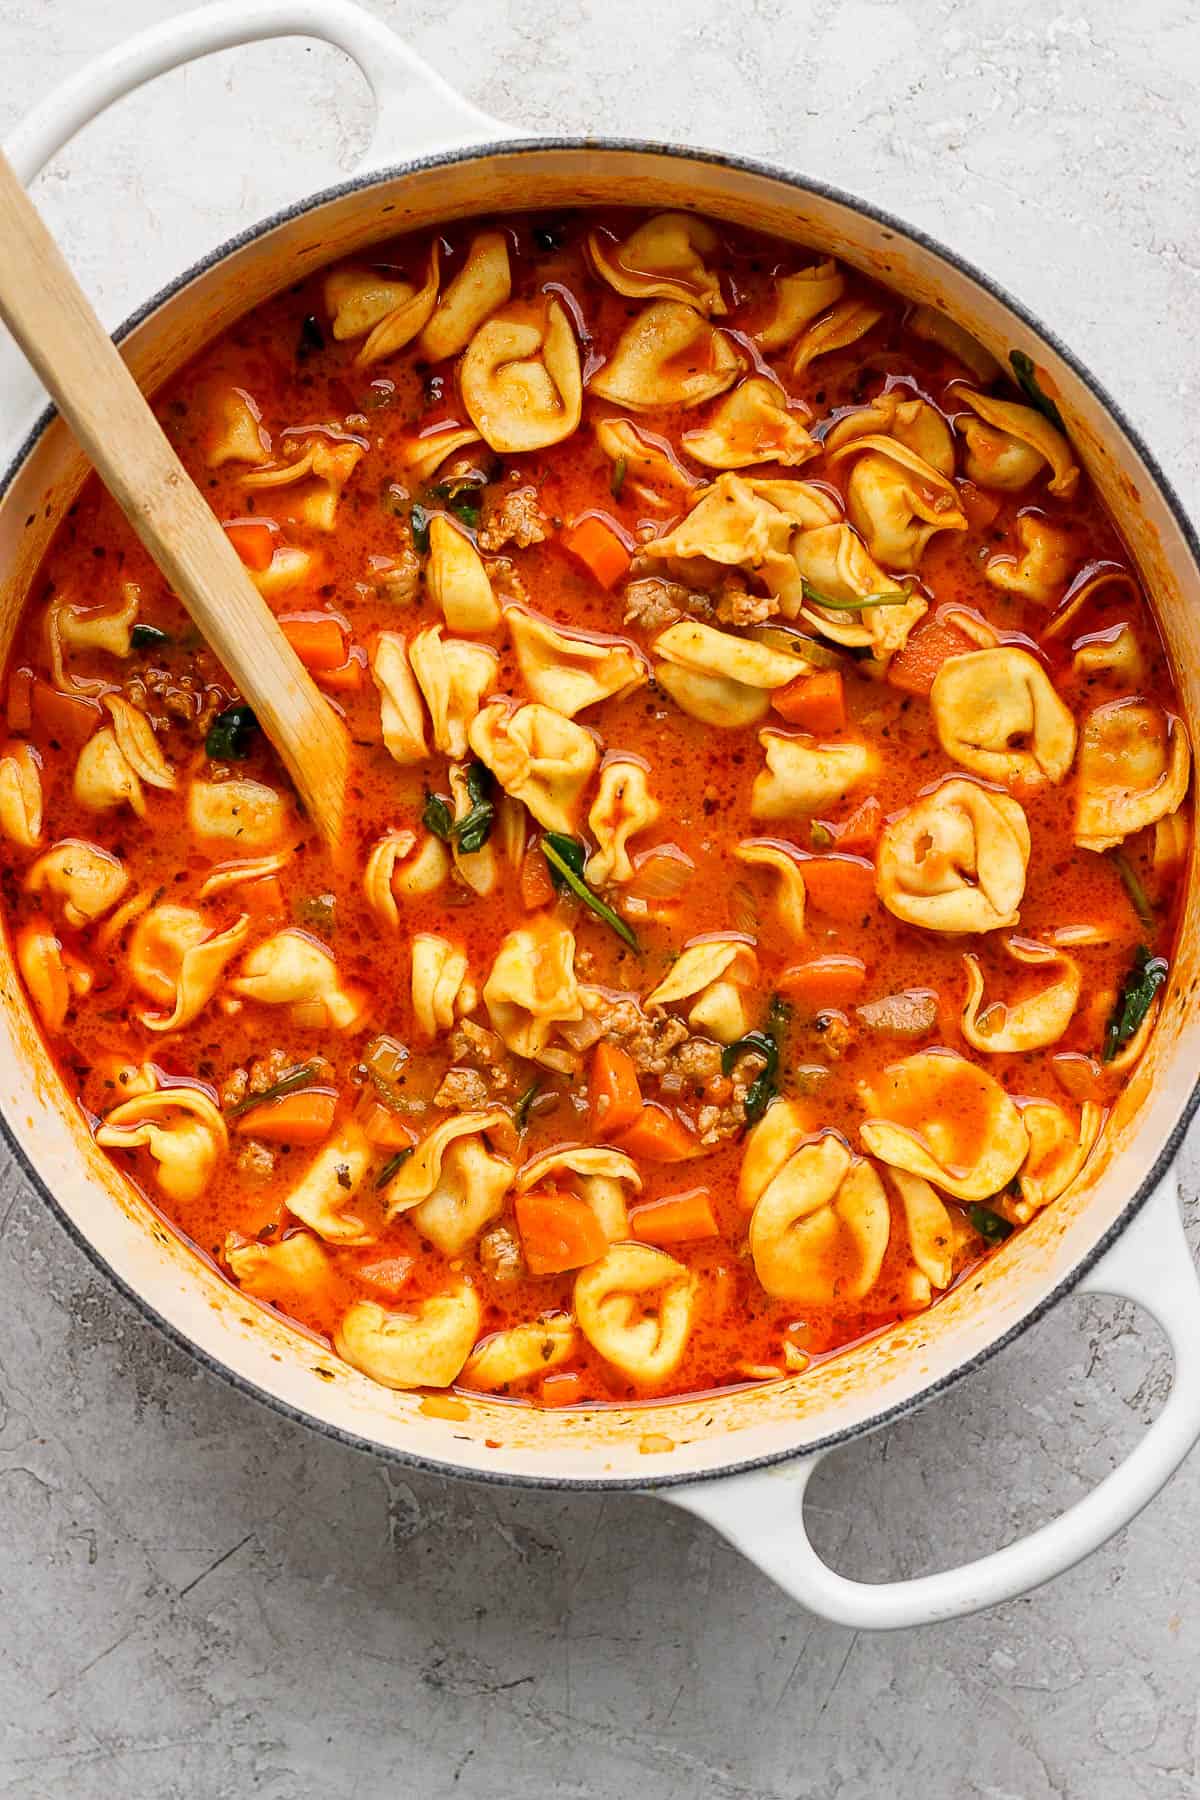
column 1027, row 381
column 567, row 858
column 392, row 1166
column 419, row 519
column 289, row 1083
column 230, row 734
column 990, row 1225
column 438, row 816
column 766, row 1044
column 891, row 597
column 461, row 498
column 1145, row 977
column 521, row 1110
column 473, row 830
column 1138, row 898
column 148, row 637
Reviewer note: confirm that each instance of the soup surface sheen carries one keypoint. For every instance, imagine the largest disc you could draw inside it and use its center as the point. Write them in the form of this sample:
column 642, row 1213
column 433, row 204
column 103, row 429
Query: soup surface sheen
column 763, row 842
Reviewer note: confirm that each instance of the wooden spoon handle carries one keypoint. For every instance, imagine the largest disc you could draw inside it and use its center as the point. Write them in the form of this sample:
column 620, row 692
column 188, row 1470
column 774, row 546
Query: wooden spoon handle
column 51, row 319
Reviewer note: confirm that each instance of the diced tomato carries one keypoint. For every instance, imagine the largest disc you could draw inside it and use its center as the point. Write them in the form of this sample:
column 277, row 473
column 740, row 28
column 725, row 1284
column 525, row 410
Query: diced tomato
column 675, row 1218
column 658, row 1136
column 838, row 884
column 595, row 542
column 68, row 718
column 558, row 1231
column 913, row 669
column 824, row 981
column 815, row 702
column 253, row 541
column 614, row 1092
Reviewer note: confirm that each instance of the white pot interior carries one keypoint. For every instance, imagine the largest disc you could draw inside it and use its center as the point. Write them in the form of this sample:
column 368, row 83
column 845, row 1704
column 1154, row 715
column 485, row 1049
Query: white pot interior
column 692, row 1437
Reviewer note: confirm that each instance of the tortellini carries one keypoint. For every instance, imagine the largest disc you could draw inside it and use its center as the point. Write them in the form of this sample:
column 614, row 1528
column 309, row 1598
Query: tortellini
column 947, row 1120
column 801, row 776
column 833, row 563
column 21, row 796
column 322, row 1198
column 401, row 714
column 291, row 969
column 790, row 899
column 844, row 325
column 1009, row 444
column 752, row 425
column 107, row 629
column 718, row 975
column 318, row 475
column 54, row 977
column 797, row 300
column 423, row 455
column 647, row 464
column 753, row 525
column 623, row 806
column 453, row 1184
column 669, row 355
column 236, row 432
column 566, row 671
column 1134, row 762
column 820, row 1227
column 284, row 1271
column 997, row 713
column 931, row 1233
column 1042, row 568
column 1114, row 652
column 716, row 677
column 423, row 1348
column 955, row 859
column 635, row 1309
column 1058, row 1149
column 520, row 377
column 441, row 987
column 480, row 288
column 245, row 815
column 87, row 880
column 521, row 1351
column 896, row 500
column 457, row 580
column 912, row 423
column 183, row 1130
column 1028, row 1024
column 598, row 1175
column 538, row 757
column 454, row 676
column 662, row 260
column 387, row 313
column 117, row 759
column 532, row 987
column 401, row 866
column 177, row 959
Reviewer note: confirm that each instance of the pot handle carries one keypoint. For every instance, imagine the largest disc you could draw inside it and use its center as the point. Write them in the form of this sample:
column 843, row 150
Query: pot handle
column 762, row 1513
column 415, row 109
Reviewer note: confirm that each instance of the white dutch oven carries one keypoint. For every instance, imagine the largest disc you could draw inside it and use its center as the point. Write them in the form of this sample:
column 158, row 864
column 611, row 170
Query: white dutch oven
column 741, row 1461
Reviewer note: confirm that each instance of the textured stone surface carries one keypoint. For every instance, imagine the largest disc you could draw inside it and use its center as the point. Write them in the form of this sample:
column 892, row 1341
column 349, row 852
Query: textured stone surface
column 202, row 1601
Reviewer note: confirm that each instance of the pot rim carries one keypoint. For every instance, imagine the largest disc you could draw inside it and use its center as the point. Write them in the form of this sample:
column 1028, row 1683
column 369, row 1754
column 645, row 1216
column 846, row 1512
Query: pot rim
column 901, row 1409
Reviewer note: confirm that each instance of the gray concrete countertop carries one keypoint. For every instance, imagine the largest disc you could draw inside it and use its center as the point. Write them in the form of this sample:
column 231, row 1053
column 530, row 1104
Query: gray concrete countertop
column 204, row 1602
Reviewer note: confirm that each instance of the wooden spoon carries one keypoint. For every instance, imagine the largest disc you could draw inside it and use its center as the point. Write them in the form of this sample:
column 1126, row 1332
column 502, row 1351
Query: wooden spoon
column 45, row 309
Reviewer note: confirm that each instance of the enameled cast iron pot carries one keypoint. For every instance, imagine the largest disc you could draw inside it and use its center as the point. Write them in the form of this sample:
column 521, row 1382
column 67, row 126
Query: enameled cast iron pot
column 741, row 1461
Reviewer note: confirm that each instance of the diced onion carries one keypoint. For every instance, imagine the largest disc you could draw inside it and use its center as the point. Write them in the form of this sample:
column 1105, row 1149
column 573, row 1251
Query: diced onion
column 661, row 874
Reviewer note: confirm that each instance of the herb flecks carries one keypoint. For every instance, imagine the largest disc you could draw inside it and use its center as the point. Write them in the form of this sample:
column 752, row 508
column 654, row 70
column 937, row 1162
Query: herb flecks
column 1138, row 897
column 617, row 479
column 1146, row 975
column 419, row 519
column 149, row 637
column 567, row 858
column 230, row 735
column 991, row 1226
column 767, row 1045
column 1025, row 372
column 521, row 1110
column 392, row 1166
column 889, row 597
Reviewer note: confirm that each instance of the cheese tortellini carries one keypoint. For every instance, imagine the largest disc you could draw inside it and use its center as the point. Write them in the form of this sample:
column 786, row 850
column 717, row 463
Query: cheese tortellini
column 796, row 301
column 180, row 1126
column 947, row 1120
column 480, row 288
column 520, row 377
column 669, row 355
column 402, row 866
column 1059, row 1146
column 1134, row 764
column 454, row 676
column 532, row 988
column 177, row 960
column 955, row 859
column 566, row 671
column 801, row 777
column 1009, row 444
column 790, row 895
column 1043, row 566
column 754, row 525
column 457, row 580
column 117, row 759
column 753, row 424
column 242, row 815
column 322, row 1198
column 520, row 1351
column 623, row 806
column 426, row 1347
column 442, row 990
column 997, row 713
column 662, row 260
column 635, row 1309
column 899, row 492
column 21, row 796
column 401, row 714
column 719, row 678
column 820, row 1227
column 386, row 313
column 86, row 880
column 717, row 976
column 292, row 969
column 286, row 1271
column 1022, row 1025
column 538, row 757
column 455, row 1181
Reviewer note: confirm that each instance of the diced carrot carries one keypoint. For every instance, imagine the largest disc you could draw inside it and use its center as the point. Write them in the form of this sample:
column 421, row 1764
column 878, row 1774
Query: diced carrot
column 263, row 896
column 562, row 1387
column 303, row 1118
column 862, row 828
column 838, row 884
column 658, row 1136
column 344, row 680
column 912, row 669
column 558, row 1231
column 597, row 546
column 614, row 1092
column 386, row 1274
column 815, row 702
column 319, row 643
column 535, row 884
column 254, row 542
column 385, row 1129
column 69, row 718
column 675, row 1219
column 981, row 509
column 20, row 701
column 825, row 981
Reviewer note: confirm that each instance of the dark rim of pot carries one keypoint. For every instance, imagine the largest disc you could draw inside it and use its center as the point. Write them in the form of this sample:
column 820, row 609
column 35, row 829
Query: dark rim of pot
column 737, row 1465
